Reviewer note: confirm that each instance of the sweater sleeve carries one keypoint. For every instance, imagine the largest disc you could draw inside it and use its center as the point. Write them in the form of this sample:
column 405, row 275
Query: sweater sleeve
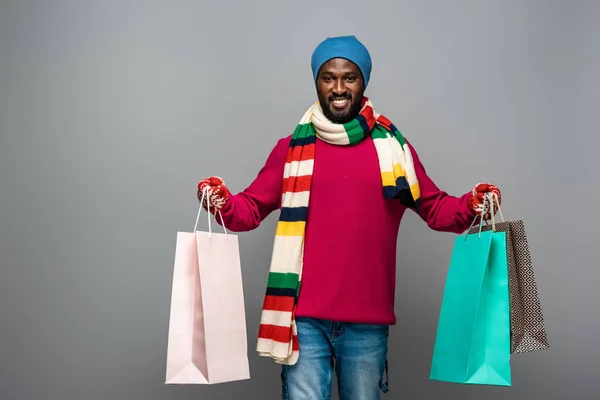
column 245, row 210
column 441, row 211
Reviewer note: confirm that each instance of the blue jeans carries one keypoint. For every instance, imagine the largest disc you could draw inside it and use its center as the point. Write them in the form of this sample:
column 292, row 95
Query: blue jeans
column 356, row 352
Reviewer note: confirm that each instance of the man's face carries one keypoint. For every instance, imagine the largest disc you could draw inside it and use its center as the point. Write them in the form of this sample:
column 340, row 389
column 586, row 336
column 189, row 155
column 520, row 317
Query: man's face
column 340, row 90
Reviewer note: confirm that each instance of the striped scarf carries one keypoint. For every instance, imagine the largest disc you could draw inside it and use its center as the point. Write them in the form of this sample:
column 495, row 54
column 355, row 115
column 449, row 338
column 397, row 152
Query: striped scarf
column 278, row 337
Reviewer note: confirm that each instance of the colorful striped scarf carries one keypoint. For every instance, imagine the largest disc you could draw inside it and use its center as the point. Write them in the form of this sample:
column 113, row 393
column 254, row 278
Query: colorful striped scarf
column 278, row 337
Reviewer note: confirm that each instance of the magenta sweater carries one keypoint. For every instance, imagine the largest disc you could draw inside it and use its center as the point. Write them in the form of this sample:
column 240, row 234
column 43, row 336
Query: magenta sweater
column 349, row 271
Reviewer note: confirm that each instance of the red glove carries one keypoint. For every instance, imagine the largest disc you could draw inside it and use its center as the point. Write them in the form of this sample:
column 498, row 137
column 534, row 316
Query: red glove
column 214, row 191
column 475, row 201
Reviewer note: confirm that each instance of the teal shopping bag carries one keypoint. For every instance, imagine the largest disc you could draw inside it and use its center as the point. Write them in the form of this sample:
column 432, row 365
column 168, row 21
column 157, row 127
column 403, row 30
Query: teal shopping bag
column 472, row 345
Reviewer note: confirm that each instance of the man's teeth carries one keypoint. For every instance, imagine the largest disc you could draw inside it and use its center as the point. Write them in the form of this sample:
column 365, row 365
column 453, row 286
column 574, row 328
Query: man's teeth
column 340, row 102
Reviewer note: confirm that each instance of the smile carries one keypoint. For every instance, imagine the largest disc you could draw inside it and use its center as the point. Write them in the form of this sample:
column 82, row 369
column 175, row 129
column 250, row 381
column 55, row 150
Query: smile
column 340, row 103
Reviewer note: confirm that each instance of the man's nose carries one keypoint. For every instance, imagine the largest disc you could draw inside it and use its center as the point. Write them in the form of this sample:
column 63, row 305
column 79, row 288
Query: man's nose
column 339, row 87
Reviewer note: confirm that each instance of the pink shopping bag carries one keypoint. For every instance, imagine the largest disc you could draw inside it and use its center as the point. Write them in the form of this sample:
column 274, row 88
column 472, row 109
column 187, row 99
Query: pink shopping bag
column 207, row 341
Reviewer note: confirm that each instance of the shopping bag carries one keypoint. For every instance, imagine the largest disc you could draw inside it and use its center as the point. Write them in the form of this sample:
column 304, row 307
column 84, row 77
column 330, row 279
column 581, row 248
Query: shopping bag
column 527, row 327
column 472, row 344
column 207, row 340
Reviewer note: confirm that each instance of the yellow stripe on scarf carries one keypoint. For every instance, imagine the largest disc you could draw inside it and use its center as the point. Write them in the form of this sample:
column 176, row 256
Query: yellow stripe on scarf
column 415, row 189
column 389, row 178
column 285, row 228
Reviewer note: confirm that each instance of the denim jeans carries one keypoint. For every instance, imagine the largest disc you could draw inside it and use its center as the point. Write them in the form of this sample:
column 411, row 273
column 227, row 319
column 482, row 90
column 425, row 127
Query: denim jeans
column 357, row 353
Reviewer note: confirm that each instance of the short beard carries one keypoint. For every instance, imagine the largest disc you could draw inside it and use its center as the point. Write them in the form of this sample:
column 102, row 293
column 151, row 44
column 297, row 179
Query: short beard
column 338, row 118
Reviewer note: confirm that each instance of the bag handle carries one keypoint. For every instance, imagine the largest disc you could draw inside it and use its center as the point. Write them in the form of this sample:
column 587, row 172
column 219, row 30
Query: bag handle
column 494, row 196
column 491, row 197
column 217, row 211
column 485, row 199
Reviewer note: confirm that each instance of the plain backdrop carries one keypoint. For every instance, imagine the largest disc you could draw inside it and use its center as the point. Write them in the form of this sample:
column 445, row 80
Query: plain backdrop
column 112, row 111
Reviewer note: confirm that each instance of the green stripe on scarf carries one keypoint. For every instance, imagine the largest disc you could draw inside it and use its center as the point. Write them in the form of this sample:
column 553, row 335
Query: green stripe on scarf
column 282, row 280
column 355, row 131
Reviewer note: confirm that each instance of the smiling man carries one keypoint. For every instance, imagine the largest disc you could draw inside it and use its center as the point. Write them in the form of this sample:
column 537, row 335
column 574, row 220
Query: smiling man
column 339, row 88
column 343, row 180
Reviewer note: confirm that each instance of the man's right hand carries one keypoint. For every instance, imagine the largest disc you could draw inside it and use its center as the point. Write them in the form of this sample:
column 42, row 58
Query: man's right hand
column 215, row 192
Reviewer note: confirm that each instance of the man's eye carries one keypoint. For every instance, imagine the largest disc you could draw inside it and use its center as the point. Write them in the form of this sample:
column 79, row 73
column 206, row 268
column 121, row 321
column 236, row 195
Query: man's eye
column 351, row 78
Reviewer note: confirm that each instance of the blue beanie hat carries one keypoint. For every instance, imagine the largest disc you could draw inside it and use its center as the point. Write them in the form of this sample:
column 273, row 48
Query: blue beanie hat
column 348, row 47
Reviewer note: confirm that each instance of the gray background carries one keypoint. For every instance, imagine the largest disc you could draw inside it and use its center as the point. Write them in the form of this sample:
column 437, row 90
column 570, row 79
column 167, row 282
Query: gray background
column 110, row 112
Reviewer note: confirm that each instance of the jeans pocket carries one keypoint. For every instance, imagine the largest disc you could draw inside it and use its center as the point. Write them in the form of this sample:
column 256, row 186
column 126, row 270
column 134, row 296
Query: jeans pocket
column 383, row 383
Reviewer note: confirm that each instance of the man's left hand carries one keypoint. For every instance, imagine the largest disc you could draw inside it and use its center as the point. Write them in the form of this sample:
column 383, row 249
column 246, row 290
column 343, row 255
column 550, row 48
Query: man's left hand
column 476, row 200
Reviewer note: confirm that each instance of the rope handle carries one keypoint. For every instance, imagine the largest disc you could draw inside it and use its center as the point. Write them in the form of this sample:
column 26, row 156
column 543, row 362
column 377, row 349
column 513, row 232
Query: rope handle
column 205, row 195
column 491, row 197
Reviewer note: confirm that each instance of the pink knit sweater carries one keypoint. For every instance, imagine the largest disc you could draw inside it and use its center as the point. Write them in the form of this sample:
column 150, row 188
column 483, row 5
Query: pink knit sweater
column 349, row 271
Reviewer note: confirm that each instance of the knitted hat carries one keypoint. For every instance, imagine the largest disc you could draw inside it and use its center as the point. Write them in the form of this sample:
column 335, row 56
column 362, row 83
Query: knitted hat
column 348, row 47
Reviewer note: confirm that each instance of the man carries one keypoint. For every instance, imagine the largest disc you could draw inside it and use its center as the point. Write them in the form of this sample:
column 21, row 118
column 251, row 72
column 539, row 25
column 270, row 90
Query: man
column 343, row 181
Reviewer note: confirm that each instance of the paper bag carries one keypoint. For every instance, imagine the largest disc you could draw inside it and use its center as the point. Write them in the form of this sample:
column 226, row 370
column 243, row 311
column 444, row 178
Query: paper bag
column 473, row 334
column 207, row 341
column 528, row 331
